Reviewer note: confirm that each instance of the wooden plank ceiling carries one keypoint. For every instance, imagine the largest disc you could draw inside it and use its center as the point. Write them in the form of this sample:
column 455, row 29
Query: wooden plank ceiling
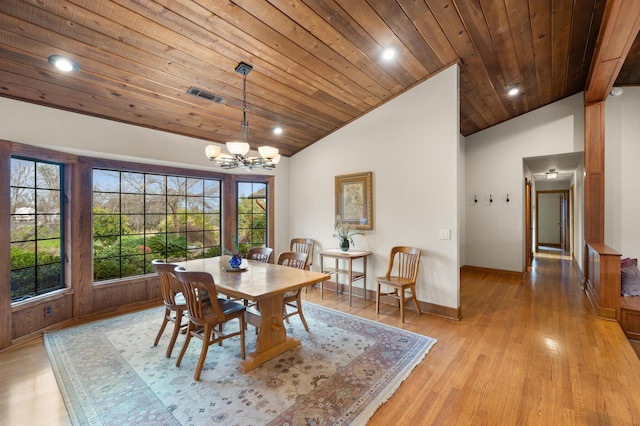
column 316, row 63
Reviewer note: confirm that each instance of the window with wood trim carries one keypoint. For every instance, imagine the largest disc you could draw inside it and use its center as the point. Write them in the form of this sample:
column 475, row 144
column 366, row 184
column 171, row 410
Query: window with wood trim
column 252, row 214
column 37, row 209
column 138, row 217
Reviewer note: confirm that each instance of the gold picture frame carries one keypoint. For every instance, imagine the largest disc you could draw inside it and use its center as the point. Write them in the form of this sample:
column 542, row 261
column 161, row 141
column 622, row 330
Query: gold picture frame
column 354, row 200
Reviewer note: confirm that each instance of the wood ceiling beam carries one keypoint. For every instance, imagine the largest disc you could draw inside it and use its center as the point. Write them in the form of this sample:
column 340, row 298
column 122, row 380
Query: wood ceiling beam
column 619, row 30
column 617, row 33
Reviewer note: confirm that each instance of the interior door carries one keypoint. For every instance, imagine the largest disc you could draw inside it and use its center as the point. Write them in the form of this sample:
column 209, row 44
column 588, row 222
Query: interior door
column 549, row 219
column 564, row 221
column 528, row 227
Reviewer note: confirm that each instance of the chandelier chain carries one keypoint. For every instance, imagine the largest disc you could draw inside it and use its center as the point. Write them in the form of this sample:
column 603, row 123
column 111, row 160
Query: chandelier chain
column 245, row 124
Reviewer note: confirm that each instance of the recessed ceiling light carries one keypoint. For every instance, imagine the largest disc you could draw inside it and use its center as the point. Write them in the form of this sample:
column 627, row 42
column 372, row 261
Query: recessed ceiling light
column 513, row 91
column 63, row 63
column 388, row 53
column 277, row 130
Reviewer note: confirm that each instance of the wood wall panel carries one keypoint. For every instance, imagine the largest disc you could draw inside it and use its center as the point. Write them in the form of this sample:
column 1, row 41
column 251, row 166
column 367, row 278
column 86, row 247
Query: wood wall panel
column 34, row 318
column 603, row 280
column 594, row 168
column 630, row 316
column 130, row 292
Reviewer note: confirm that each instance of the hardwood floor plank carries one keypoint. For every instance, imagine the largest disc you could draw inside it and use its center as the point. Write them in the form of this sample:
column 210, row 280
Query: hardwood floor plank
column 526, row 352
column 29, row 394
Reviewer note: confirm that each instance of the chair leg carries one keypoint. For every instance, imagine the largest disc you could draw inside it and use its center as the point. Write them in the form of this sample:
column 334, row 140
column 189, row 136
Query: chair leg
column 165, row 320
column 415, row 299
column 186, row 344
column 401, row 290
column 206, row 341
column 177, row 324
column 378, row 299
column 304, row 321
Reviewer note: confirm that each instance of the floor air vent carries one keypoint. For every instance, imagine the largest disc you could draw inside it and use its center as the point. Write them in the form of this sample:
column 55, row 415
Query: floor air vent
column 205, row 95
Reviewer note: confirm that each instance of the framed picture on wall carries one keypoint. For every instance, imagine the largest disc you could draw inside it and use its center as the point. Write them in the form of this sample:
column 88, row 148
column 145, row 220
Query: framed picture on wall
column 354, row 202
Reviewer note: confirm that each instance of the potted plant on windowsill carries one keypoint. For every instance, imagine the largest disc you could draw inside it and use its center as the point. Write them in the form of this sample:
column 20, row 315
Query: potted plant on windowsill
column 344, row 232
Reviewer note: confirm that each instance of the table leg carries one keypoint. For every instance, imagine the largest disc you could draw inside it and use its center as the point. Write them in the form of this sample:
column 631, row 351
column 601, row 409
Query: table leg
column 272, row 335
column 337, row 277
column 350, row 280
column 364, row 276
column 322, row 283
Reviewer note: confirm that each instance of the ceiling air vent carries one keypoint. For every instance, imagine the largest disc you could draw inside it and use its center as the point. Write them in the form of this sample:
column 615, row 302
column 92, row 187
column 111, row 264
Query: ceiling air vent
column 205, row 95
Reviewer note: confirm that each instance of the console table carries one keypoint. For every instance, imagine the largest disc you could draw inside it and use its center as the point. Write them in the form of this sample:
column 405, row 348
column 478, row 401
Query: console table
column 351, row 275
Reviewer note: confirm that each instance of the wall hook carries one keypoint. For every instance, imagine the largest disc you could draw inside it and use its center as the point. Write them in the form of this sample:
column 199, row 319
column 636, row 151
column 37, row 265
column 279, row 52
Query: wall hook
column 475, row 199
column 490, row 199
column 507, row 199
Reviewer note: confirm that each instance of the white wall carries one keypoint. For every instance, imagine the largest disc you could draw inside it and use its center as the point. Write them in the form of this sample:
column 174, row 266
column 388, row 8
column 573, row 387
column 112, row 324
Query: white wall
column 85, row 135
column 494, row 231
column 622, row 172
column 412, row 146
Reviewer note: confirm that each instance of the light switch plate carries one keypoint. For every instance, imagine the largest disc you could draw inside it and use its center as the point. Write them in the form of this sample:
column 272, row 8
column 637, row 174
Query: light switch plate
column 445, row 234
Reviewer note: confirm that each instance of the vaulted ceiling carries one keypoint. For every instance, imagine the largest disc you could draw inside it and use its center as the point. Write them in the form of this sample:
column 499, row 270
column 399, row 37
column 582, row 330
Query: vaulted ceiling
column 317, row 64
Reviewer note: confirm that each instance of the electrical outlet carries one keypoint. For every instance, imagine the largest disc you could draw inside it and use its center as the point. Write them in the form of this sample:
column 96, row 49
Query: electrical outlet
column 47, row 310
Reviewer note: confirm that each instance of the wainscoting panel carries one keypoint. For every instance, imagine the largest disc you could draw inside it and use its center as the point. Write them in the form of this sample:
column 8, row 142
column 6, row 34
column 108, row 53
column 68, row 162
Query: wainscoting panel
column 36, row 316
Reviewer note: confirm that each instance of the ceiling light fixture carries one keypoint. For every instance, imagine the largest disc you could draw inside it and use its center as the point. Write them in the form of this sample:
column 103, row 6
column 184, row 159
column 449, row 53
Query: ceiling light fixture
column 552, row 174
column 278, row 130
column 269, row 156
column 616, row 91
column 63, row 63
column 513, row 91
column 388, row 53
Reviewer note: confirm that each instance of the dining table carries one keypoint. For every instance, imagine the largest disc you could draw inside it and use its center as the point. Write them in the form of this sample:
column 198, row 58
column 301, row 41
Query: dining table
column 265, row 284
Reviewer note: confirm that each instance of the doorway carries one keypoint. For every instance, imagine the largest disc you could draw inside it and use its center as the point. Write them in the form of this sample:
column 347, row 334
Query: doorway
column 553, row 232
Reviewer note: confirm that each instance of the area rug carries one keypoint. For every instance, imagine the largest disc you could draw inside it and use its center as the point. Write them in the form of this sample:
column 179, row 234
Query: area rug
column 110, row 373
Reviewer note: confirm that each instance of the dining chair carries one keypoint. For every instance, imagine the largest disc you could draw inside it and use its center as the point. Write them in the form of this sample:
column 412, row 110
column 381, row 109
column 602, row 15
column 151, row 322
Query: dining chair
column 293, row 299
column 406, row 261
column 175, row 304
column 207, row 313
column 303, row 245
column 261, row 254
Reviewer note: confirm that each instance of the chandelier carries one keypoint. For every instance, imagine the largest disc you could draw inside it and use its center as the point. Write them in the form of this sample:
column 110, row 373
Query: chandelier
column 238, row 151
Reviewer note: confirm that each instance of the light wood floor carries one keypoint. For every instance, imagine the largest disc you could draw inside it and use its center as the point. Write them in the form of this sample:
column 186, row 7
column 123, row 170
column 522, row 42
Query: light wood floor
column 525, row 353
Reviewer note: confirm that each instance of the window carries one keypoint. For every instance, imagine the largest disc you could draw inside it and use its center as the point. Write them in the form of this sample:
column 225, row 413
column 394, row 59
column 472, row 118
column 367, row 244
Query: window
column 37, row 251
column 138, row 217
column 252, row 208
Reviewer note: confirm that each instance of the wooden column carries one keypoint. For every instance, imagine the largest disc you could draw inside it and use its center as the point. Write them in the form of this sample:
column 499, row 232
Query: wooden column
column 594, row 167
column 81, row 243
column 5, row 253
column 619, row 29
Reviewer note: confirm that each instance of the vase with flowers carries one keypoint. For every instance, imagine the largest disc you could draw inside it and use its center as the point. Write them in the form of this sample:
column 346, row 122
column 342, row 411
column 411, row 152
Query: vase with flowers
column 236, row 257
column 344, row 232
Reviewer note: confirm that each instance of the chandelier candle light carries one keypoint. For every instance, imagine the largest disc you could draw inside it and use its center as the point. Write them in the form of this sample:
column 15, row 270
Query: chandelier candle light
column 269, row 156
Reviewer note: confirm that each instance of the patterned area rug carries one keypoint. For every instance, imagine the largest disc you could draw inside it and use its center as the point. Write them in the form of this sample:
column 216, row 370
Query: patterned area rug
column 109, row 373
